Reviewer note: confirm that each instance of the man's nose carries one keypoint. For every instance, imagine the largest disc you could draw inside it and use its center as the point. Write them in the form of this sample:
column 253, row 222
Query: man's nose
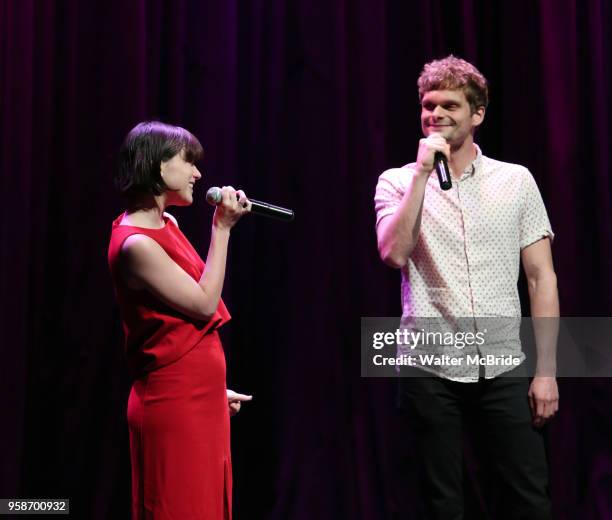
column 438, row 111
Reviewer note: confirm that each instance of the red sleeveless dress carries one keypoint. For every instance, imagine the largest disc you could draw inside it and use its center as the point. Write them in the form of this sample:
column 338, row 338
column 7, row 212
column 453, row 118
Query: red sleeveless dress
column 177, row 410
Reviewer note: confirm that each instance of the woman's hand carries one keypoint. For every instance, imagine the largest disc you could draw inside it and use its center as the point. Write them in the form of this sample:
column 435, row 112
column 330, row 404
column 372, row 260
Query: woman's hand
column 233, row 205
column 234, row 400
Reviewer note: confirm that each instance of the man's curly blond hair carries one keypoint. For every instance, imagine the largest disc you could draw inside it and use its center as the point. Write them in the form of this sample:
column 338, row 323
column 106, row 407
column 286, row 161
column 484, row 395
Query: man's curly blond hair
column 452, row 73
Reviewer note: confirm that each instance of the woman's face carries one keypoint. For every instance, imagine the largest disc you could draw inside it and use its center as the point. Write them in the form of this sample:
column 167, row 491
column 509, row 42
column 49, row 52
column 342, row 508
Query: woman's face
column 180, row 177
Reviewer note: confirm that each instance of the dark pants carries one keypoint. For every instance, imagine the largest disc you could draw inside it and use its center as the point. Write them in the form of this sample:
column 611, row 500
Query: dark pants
column 497, row 411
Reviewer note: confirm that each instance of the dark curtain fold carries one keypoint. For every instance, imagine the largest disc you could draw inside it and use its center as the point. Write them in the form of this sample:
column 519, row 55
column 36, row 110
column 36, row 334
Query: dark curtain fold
column 303, row 104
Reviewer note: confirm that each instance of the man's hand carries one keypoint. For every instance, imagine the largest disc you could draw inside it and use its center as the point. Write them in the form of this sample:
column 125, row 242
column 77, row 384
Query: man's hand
column 234, row 400
column 428, row 147
column 543, row 399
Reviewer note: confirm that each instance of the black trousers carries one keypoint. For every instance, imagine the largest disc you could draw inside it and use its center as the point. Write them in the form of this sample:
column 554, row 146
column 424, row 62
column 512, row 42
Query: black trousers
column 497, row 411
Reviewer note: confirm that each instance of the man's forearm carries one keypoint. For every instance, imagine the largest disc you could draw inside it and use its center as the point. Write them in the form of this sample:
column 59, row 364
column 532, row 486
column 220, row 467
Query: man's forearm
column 543, row 296
column 544, row 301
column 398, row 233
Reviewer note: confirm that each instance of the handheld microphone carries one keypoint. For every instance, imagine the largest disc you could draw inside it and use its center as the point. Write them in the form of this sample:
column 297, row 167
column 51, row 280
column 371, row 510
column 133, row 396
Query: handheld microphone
column 442, row 170
column 214, row 198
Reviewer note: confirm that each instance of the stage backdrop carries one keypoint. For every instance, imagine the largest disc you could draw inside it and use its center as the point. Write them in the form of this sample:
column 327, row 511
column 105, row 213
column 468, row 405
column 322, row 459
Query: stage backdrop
column 302, row 104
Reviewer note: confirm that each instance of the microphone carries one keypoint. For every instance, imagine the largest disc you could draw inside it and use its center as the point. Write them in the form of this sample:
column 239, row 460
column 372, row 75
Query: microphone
column 214, row 198
column 442, row 170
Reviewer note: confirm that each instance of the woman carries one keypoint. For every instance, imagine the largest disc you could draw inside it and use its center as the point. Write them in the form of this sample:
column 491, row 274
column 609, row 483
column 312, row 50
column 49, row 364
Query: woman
column 171, row 308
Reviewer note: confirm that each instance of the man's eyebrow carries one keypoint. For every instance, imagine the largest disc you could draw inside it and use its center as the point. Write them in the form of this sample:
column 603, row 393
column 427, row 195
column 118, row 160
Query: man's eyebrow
column 443, row 102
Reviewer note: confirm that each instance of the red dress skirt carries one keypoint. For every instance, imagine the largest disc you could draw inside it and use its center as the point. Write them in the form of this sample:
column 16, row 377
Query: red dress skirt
column 179, row 437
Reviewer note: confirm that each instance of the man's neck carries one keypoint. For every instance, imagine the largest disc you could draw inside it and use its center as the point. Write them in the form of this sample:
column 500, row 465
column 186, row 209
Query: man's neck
column 461, row 157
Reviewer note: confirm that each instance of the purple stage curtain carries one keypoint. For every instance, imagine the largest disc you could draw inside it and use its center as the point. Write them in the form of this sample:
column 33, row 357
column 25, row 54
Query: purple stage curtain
column 303, row 104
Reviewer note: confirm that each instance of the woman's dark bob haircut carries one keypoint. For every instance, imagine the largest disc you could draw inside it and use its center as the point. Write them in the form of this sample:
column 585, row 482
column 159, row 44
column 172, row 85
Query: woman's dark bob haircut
column 143, row 150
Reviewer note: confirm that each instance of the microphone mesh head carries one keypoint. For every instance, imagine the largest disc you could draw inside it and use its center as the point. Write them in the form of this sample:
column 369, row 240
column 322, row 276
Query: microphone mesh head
column 214, row 196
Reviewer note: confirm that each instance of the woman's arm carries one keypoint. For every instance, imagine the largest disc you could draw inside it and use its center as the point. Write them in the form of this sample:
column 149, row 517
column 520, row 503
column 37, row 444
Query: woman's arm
column 145, row 264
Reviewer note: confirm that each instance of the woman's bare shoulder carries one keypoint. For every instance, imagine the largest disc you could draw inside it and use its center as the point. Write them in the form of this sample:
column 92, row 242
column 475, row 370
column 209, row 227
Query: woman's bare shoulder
column 172, row 218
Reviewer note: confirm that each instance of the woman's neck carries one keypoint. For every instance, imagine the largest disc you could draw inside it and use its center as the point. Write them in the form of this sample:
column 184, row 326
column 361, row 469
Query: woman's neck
column 149, row 214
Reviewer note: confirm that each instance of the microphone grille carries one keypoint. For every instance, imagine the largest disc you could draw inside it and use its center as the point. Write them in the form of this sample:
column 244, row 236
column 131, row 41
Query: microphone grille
column 214, row 196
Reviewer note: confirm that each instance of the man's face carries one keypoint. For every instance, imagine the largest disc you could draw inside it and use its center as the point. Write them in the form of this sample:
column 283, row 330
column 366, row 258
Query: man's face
column 448, row 113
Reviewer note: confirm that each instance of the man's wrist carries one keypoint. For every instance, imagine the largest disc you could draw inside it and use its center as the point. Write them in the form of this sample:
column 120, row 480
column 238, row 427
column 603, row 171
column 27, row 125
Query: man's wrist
column 422, row 173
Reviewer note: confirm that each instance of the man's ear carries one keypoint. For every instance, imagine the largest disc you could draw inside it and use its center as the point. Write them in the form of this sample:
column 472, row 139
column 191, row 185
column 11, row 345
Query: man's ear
column 478, row 116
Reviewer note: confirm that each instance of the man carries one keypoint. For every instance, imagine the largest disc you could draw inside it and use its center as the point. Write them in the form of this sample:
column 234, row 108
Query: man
column 459, row 251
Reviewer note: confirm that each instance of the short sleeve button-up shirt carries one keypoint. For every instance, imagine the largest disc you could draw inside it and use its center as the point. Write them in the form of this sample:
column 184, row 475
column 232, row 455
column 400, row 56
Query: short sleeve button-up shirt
column 467, row 257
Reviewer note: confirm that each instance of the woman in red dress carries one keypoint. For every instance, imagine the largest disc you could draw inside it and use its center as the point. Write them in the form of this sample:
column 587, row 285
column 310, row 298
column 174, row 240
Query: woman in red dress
column 171, row 308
